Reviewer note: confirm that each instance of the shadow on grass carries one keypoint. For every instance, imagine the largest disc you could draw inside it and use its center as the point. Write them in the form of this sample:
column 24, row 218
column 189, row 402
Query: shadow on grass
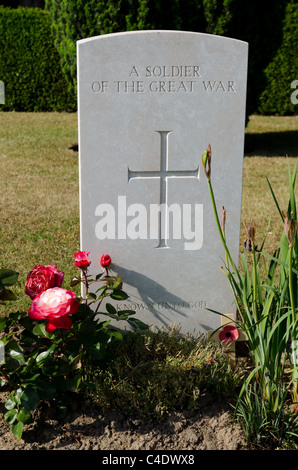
column 271, row 144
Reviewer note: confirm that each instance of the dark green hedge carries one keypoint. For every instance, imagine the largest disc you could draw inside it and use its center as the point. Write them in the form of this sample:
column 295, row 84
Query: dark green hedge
column 78, row 19
column 272, row 43
column 282, row 70
column 30, row 64
column 38, row 48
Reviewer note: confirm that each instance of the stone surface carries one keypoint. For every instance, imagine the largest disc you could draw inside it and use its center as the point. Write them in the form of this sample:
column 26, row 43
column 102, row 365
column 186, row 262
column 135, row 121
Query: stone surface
column 2, row 93
column 149, row 104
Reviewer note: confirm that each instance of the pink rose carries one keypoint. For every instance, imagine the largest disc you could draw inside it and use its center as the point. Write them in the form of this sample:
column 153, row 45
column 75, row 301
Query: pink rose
column 54, row 305
column 42, row 278
column 105, row 261
column 82, row 260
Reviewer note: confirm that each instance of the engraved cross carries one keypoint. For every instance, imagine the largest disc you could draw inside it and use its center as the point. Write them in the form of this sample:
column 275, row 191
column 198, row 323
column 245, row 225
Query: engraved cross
column 164, row 174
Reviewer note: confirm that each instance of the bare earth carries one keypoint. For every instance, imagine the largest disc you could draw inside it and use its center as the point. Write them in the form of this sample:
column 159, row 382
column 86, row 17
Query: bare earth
column 90, row 429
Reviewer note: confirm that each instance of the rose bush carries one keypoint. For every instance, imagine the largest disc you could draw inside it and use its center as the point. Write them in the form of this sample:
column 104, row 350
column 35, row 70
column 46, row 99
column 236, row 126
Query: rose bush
column 50, row 350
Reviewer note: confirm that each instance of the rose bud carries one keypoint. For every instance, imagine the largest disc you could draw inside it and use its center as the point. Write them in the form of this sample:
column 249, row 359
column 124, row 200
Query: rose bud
column 105, row 261
column 82, row 260
column 249, row 243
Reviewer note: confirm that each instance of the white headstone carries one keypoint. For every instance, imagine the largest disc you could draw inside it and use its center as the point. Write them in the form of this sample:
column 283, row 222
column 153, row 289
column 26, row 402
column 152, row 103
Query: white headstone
column 2, row 93
column 150, row 102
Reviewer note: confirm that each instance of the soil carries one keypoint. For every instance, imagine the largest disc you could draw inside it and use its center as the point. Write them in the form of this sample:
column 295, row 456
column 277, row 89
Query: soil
column 88, row 428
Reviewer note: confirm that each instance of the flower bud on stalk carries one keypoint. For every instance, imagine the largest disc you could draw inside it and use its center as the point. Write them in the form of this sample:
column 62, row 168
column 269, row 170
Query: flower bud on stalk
column 290, row 228
column 223, row 219
column 250, row 241
column 82, row 259
column 105, row 262
column 206, row 162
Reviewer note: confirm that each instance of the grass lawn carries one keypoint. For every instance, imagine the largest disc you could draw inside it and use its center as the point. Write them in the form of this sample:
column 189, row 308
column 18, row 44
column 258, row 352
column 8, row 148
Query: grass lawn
column 148, row 373
column 39, row 187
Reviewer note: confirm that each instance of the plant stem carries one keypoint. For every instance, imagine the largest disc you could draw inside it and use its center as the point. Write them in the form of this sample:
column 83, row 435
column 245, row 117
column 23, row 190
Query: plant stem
column 254, row 304
column 86, row 284
column 222, row 236
column 294, row 328
column 292, row 302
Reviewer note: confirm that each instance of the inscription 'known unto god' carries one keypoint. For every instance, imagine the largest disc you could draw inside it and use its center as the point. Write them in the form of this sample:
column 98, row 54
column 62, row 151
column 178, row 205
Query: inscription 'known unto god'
column 163, row 79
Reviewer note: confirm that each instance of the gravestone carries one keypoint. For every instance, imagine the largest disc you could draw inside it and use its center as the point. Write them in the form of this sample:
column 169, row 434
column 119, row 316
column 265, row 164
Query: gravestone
column 150, row 102
column 2, row 93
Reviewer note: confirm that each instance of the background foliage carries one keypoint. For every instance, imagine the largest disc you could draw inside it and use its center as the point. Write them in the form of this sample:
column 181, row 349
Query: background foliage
column 38, row 60
column 29, row 63
column 282, row 69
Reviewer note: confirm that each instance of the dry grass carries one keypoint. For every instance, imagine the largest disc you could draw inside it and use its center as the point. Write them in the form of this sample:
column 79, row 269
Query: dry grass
column 39, row 192
column 39, row 186
column 269, row 139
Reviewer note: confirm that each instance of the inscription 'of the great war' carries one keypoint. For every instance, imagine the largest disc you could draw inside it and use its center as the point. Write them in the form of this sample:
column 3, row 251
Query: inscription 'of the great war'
column 164, row 79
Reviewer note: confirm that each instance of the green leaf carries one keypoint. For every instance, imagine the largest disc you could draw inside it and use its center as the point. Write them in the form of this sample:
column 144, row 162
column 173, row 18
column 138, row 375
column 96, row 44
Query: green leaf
column 11, row 402
column 2, row 323
column 30, row 398
column 15, row 352
column 75, row 281
column 91, row 295
column 10, row 416
column 18, row 395
column 40, row 330
column 118, row 294
column 24, row 416
column 7, row 294
column 111, row 309
column 138, row 324
column 17, row 429
column 42, row 356
column 115, row 334
column 97, row 352
column 115, row 283
column 8, row 277
column 124, row 314
column 73, row 383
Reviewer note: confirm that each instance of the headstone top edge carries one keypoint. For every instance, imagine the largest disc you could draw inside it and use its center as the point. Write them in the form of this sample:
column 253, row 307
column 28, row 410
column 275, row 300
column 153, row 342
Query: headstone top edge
column 157, row 31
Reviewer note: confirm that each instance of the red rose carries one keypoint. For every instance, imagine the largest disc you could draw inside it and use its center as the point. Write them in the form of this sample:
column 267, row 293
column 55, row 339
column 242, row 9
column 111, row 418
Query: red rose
column 42, row 278
column 105, row 261
column 54, row 305
column 82, row 260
